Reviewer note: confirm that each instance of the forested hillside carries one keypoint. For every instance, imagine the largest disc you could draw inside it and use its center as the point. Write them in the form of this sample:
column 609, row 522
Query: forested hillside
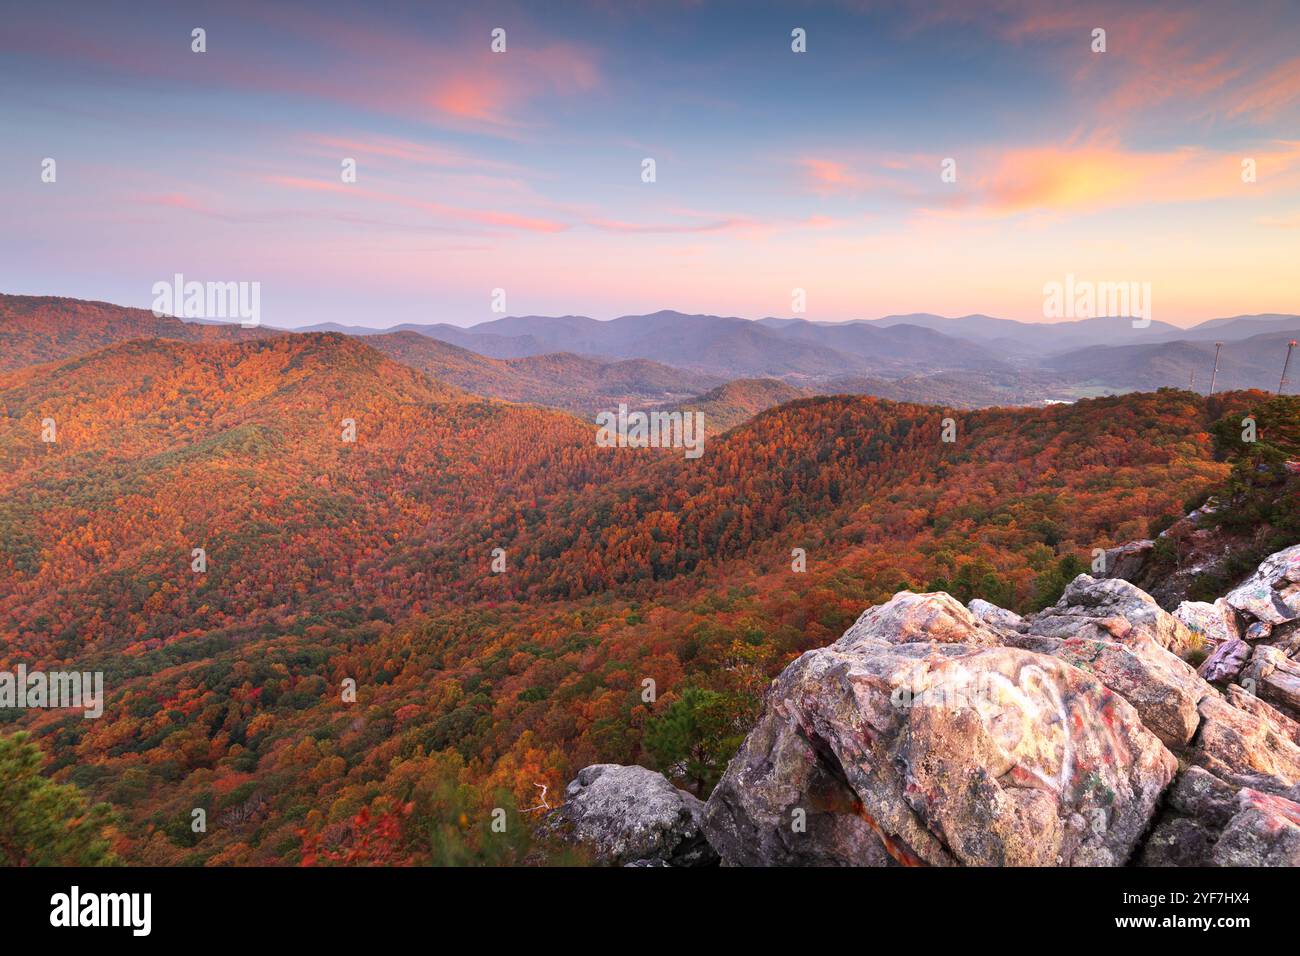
column 36, row 329
column 372, row 560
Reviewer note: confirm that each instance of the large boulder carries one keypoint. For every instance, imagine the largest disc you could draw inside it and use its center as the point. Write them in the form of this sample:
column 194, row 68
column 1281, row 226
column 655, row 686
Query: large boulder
column 1207, row 822
column 1127, row 562
column 1265, row 831
column 1214, row 623
column 1225, row 662
column 1113, row 610
column 1272, row 593
column 1274, row 677
column 883, row 748
column 921, row 618
column 631, row 816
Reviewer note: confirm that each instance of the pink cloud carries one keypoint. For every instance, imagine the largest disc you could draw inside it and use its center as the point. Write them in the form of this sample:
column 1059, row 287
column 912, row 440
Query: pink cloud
column 380, row 69
column 828, row 175
column 1209, row 60
column 482, row 217
column 1270, row 94
column 719, row 225
column 404, row 150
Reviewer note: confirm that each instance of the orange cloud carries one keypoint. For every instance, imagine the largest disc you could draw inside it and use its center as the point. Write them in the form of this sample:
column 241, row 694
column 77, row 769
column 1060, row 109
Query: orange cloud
column 1099, row 175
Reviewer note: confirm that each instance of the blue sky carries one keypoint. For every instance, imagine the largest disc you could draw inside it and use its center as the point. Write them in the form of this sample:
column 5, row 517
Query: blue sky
column 775, row 170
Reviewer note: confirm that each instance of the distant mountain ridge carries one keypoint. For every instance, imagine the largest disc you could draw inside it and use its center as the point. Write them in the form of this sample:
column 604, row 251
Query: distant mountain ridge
column 724, row 345
column 663, row 359
column 802, row 350
column 560, row 379
column 1254, row 362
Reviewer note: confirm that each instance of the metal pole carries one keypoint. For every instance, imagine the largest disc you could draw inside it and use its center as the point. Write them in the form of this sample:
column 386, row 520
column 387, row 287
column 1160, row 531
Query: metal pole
column 1215, row 374
column 1290, row 347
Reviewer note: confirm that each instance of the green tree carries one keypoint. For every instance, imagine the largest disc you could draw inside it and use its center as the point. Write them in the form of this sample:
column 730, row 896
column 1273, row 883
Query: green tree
column 1262, row 487
column 43, row 823
column 694, row 738
column 1260, row 501
column 1050, row 584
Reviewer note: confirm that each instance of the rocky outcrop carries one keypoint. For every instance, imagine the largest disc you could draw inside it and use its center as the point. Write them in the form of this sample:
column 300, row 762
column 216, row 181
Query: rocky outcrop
column 1266, row 611
column 933, row 733
column 938, row 754
column 1196, row 811
column 1249, row 746
column 631, row 816
column 1272, row 593
column 1109, row 609
column 936, row 734
column 1128, row 562
column 1265, row 831
column 1170, row 567
column 1273, row 676
column 1210, row 823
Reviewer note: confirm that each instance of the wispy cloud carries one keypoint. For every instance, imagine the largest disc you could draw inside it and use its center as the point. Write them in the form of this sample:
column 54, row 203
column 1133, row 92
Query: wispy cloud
column 481, row 217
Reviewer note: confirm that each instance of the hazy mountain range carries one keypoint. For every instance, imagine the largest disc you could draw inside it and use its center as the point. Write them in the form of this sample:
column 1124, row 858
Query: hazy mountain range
column 670, row 359
column 1063, row 356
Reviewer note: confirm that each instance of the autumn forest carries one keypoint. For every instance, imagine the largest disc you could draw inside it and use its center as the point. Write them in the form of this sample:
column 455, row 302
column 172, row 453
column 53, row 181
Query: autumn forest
column 353, row 649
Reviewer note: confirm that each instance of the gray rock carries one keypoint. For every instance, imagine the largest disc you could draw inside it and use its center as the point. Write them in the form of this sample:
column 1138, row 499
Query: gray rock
column 1128, row 561
column 1264, row 832
column 1207, row 822
column 1196, row 810
column 632, row 816
column 1272, row 593
column 1259, row 631
column 1274, row 677
column 1278, row 722
column 1247, row 747
column 1114, row 610
column 1225, row 662
column 1005, row 622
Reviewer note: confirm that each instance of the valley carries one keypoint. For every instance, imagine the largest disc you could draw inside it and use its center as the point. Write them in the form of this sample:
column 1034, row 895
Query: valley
column 371, row 561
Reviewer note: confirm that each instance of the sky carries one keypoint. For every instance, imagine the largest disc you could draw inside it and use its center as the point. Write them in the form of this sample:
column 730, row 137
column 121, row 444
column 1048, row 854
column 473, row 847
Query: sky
column 775, row 170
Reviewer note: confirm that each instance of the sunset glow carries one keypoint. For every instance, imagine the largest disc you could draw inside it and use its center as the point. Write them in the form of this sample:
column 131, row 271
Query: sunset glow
column 522, row 170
